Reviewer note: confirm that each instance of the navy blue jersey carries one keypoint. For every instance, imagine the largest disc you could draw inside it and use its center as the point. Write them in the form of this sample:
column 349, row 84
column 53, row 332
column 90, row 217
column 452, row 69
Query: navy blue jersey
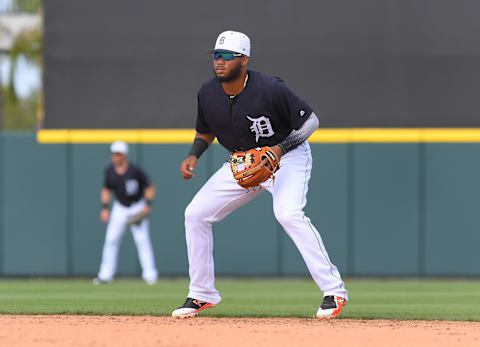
column 263, row 114
column 129, row 187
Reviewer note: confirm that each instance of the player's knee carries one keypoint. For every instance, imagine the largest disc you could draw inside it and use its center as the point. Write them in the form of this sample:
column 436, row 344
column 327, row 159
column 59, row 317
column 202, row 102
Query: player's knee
column 193, row 214
column 140, row 237
column 285, row 216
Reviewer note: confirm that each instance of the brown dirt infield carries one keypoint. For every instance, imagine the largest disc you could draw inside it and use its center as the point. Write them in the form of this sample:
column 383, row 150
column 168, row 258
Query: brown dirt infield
column 105, row 331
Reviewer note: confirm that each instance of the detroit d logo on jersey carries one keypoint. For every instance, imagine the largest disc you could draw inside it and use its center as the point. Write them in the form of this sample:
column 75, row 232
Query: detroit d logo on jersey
column 131, row 187
column 261, row 127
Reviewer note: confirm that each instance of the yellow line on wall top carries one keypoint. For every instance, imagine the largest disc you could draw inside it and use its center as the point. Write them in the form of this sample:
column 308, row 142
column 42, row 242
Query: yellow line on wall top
column 107, row 136
column 333, row 135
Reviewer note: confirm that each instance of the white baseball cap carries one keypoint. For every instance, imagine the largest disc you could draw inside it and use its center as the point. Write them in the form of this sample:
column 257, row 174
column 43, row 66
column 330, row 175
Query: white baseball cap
column 233, row 41
column 119, row 147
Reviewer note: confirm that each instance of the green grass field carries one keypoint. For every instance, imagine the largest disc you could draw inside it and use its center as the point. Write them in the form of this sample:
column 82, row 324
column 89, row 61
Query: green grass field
column 369, row 298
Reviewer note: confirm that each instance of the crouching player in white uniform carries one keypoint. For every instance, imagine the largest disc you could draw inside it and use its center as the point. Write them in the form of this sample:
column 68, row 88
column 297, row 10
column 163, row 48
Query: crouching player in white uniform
column 134, row 194
column 245, row 109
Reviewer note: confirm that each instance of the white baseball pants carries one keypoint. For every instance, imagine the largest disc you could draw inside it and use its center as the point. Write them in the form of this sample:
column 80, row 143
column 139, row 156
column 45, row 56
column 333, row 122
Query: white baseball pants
column 221, row 195
column 116, row 228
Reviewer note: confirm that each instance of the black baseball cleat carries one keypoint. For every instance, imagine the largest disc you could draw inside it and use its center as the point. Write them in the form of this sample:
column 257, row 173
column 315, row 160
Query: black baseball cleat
column 190, row 308
column 331, row 307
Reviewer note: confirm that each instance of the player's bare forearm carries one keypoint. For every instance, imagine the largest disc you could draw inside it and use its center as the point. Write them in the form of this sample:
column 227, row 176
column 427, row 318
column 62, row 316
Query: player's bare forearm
column 105, row 196
column 150, row 191
column 105, row 199
column 148, row 195
column 200, row 144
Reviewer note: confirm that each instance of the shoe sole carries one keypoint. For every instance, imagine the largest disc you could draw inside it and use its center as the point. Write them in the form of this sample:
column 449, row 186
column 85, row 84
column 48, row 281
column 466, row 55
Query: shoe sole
column 335, row 313
column 331, row 316
column 194, row 314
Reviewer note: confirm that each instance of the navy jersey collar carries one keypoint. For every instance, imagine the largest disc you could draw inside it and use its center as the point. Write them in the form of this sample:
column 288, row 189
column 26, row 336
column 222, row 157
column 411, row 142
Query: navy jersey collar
column 245, row 89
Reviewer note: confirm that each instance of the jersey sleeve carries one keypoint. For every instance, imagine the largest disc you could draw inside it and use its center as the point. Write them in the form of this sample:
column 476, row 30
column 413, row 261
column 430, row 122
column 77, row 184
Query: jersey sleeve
column 291, row 107
column 201, row 126
column 143, row 178
column 107, row 180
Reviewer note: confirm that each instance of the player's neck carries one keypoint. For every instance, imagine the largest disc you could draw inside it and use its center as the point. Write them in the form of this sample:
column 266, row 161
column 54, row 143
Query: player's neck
column 121, row 168
column 236, row 86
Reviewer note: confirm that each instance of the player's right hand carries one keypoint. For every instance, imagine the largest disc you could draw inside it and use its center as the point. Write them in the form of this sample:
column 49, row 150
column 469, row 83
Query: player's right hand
column 104, row 215
column 187, row 167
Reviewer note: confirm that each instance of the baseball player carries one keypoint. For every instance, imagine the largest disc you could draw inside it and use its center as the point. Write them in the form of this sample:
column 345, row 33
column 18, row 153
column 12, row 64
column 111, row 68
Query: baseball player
column 134, row 194
column 245, row 109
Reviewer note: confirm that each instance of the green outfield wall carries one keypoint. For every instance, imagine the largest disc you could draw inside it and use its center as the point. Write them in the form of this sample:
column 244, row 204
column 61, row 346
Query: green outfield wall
column 382, row 209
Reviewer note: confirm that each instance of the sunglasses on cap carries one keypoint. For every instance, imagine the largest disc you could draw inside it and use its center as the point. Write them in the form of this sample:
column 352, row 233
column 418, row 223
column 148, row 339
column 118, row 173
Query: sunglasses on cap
column 225, row 55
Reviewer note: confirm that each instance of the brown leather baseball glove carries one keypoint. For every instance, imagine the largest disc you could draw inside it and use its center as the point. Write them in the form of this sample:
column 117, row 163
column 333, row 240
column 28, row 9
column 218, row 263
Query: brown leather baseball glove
column 137, row 218
column 255, row 166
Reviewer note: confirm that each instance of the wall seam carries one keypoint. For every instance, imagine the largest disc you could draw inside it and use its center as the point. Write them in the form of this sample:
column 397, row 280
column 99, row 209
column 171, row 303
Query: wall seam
column 422, row 218
column 69, row 201
column 350, row 209
column 139, row 152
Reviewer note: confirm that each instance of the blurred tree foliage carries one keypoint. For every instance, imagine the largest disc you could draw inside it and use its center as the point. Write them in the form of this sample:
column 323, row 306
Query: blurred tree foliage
column 31, row 6
column 24, row 113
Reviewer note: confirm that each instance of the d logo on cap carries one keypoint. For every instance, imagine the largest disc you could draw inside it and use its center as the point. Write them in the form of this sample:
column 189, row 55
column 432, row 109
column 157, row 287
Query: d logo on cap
column 233, row 41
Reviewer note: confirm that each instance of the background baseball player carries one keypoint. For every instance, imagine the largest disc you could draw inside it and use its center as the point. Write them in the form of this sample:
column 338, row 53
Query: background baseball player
column 244, row 109
column 134, row 194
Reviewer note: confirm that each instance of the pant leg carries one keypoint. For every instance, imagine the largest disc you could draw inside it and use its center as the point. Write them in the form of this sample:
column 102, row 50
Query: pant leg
column 141, row 236
column 113, row 238
column 289, row 193
column 220, row 196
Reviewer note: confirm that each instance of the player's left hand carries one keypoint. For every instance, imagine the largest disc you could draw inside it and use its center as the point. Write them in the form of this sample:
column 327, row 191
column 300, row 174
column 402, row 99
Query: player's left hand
column 146, row 211
column 277, row 150
column 104, row 215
